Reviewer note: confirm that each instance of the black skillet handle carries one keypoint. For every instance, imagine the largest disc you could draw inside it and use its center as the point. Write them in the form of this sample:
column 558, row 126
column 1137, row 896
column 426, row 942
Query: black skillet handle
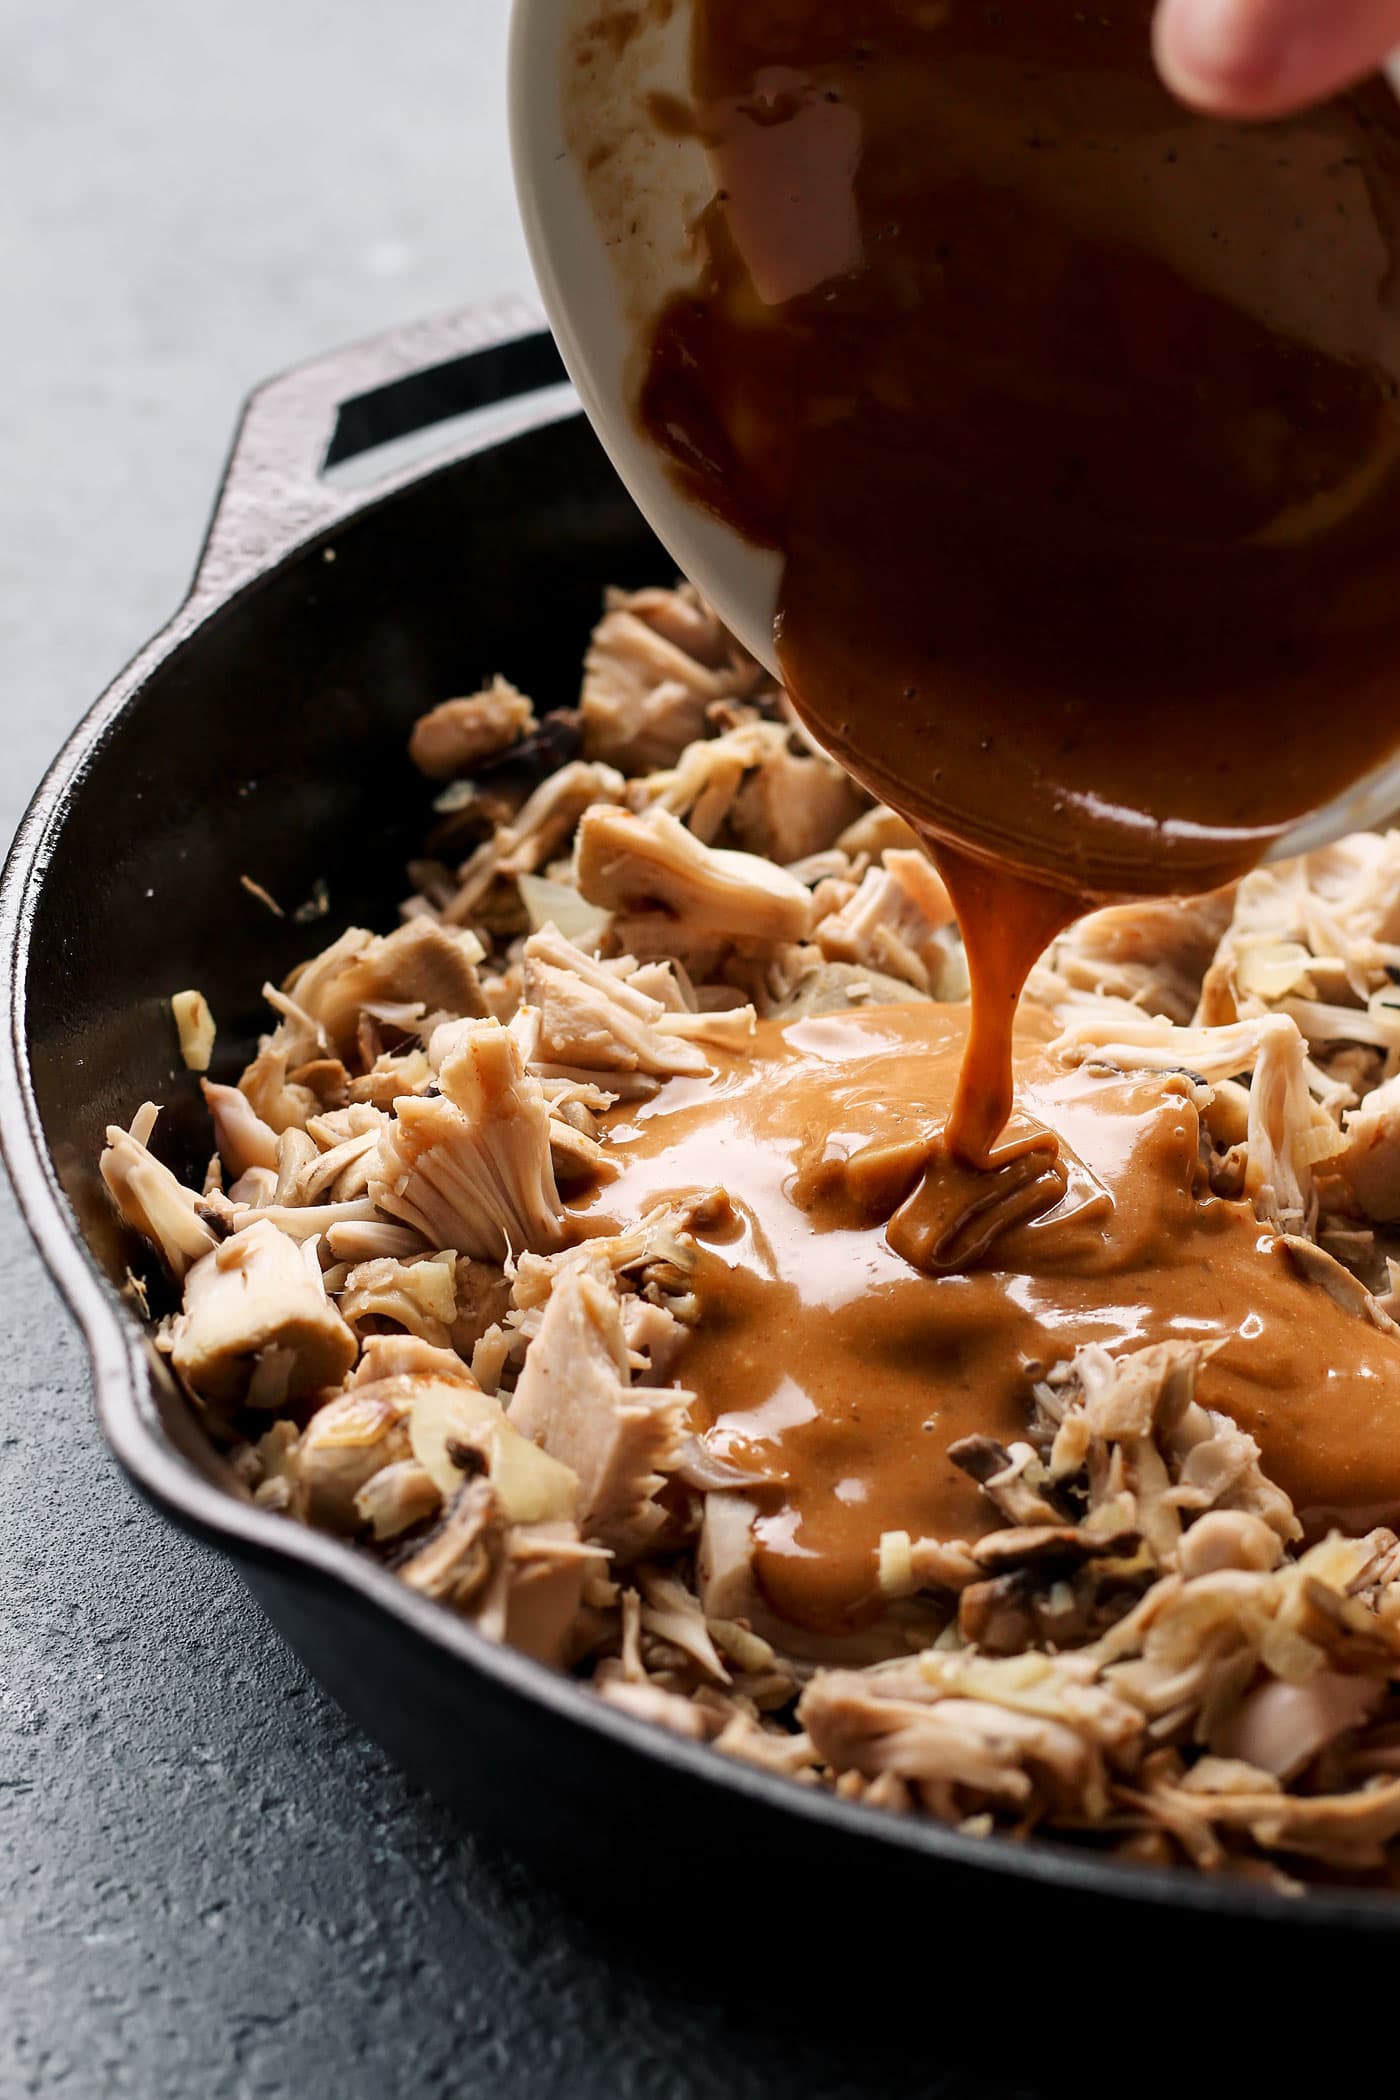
column 273, row 495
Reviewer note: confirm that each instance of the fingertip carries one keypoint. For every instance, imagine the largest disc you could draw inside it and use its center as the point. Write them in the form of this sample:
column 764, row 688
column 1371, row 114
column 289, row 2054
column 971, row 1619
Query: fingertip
column 1225, row 57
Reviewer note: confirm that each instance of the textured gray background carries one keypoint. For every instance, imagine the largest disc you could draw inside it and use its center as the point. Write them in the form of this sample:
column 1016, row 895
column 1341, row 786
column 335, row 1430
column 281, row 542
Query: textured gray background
column 210, row 1884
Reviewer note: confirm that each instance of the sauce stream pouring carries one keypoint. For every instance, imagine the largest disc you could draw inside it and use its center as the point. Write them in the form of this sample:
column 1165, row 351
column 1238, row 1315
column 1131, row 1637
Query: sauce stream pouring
column 1072, row 417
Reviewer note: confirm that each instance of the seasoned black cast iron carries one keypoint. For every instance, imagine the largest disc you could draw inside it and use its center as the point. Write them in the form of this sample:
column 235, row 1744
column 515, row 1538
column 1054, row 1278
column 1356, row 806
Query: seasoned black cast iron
column 263, row 734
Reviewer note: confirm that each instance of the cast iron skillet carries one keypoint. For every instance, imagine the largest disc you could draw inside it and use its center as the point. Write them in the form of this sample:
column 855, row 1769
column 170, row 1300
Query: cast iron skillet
column 263, row 734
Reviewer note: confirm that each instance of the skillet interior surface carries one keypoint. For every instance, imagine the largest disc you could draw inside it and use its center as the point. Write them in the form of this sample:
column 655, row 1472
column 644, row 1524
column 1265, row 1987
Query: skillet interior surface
column 264, row 735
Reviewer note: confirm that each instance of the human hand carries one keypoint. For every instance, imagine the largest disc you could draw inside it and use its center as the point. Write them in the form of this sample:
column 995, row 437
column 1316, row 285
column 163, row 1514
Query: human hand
column 1262, row 58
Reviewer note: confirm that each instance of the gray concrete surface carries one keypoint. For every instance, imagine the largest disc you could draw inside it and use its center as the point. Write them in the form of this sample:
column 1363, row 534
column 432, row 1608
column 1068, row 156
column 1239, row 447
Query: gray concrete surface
column 210, row 1885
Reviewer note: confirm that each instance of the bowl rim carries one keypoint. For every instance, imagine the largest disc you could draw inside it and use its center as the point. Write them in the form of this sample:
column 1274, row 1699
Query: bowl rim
column 573, row 260
column 124, row 1372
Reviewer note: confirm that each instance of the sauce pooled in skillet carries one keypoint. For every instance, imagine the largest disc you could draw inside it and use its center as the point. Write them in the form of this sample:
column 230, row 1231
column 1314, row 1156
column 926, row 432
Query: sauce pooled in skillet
column 852, row 1330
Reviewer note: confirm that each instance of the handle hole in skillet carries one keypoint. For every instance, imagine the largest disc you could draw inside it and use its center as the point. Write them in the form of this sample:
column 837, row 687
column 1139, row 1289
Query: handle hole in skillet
column 391, row 425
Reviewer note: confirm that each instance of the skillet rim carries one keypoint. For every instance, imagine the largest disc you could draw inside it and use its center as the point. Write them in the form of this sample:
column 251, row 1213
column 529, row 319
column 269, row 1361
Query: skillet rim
column 119, row 1351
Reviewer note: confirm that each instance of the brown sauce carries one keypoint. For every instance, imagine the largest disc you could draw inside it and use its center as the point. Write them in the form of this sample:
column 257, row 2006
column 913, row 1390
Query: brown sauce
column 838, row 1374
column 1073, row 416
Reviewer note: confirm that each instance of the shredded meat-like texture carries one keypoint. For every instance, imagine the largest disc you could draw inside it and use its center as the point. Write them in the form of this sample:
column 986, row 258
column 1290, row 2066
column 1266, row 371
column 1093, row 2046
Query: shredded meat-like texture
column 387, row 1322
column 459, row 734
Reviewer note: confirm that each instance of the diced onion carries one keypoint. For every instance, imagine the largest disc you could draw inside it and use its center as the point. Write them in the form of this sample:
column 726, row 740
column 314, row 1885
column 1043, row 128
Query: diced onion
column 559, row 904
column 196, row 1026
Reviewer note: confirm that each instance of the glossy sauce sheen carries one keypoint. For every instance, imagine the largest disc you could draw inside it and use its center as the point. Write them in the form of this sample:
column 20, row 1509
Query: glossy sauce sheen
column 1074, row 418
column 838, row 1374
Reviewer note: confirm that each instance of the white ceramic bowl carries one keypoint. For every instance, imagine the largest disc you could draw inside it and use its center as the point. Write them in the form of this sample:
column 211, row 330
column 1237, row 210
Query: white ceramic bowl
column 608, row 247
column 608, row 196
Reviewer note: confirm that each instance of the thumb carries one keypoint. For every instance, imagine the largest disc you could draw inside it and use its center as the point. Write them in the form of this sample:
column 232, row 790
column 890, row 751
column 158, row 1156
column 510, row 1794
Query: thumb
column 1263, row 58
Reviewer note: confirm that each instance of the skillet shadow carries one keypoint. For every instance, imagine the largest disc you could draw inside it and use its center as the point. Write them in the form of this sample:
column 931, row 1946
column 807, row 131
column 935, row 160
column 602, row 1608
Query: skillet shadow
column 824, row 1986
